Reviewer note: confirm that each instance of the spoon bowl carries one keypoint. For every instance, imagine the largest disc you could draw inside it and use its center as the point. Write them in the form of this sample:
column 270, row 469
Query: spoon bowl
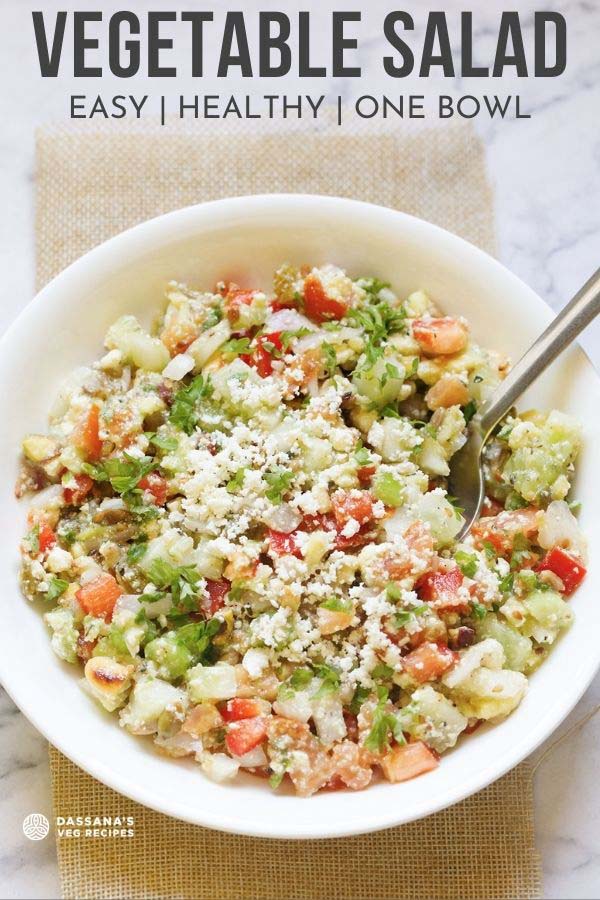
column 466, row 481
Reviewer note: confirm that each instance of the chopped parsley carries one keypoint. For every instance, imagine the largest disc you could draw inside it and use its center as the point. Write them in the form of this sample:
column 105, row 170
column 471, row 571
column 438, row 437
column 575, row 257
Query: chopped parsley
column 237, row 482
column 123, row 474
column 478, row 610
column 466, row 562
column 330, row 358
column 236, row 347
column 337, row 604
column 184, row 407
column 56, row 589
column 384, row 724
column 279, row 481
column 166, row 442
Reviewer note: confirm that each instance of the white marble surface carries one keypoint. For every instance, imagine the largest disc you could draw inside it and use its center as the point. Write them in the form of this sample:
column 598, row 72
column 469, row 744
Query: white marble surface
column 546, row 175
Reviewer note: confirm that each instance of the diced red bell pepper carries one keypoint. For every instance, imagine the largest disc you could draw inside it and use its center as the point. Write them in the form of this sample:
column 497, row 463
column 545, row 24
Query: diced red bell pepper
column 440, row 588
column 347, row 505
column 265, row 354
column 46, row 537
column 317, row 305
column 98, row 596
column 281, row 543
column 365, row 474
column 86, row 434
column 74, row 496
column 278, row 304
column 429, row 662
column 569, row 568
column 217, row 591
column 156, row 485
column 245, row 735
column 240, row 708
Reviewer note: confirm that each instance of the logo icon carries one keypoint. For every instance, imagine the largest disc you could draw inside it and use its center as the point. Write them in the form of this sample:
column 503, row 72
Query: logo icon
column 35, row 826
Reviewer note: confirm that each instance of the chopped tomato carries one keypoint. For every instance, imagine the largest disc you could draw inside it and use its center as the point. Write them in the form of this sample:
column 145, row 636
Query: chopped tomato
column 235, row 299
column 448, row 391
column 278, row 303
column 440, row 336
column 86, row 434
column 365, row 474
column 310, row 766
column 569, row 569
column 440, row 588
column 491, row 506
column 46, row 537
column 331, row 620
column 317, row 305
column 429, row 662
column 500, row 531
column 98, row 596
column 156, row 485
column 239, row 708
column 351, row 725
column 363, row 536
column 327, row 522
column 414, row 555
column 246, row 734
column 74, row 496
column 318, row 522
column 335, row 783
column 350, row 766
column 281, row 543
column 347, row 505
column 408, row 761
column 473, row 726
column 217, row 591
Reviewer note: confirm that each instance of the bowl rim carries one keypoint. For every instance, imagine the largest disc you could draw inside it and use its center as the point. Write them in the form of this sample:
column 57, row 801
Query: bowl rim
column 120, row 247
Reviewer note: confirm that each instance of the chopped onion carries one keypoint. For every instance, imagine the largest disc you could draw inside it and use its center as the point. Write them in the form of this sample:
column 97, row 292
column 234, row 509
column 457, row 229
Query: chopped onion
column 217, row 766
column 180, row 744
column 559, row 528
column 50, row 496
column 128, row 602
column 288, row 320
column 179, row 366
column 396, row 524
column 252, row 758
column 283, row 518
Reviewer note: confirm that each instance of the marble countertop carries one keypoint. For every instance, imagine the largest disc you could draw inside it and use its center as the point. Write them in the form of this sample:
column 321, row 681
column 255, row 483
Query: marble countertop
column 545, row 172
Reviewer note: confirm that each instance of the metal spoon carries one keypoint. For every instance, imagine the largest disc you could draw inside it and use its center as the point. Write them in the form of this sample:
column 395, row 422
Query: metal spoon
column 466, row 479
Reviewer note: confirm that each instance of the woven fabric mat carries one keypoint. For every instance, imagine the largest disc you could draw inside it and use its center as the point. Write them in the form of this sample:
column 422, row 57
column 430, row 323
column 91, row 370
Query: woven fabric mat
column 92, row 184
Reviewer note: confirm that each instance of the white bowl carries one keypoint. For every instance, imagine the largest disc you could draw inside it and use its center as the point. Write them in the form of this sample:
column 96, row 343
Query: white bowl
column 245, row 239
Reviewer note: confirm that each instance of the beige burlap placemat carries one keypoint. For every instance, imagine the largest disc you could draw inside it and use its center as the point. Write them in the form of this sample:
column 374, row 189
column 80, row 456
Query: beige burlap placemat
column 92, row 184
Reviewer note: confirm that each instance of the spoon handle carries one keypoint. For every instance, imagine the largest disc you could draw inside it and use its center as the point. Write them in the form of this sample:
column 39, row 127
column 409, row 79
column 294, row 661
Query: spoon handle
column 570, row 321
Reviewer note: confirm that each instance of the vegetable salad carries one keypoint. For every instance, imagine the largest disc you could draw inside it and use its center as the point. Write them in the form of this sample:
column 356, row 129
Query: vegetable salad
column 240, row 529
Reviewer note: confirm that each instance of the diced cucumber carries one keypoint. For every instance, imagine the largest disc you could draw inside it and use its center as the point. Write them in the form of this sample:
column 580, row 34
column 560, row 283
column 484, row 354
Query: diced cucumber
column 173, row 659
column 517, row 648
column 541, row 454
column 388, row 489
column 38, row 447
column 432, row 458
column 380, row 383
column 136, row 345
column 208, row 343
column 549, row 609
column 445, row 521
